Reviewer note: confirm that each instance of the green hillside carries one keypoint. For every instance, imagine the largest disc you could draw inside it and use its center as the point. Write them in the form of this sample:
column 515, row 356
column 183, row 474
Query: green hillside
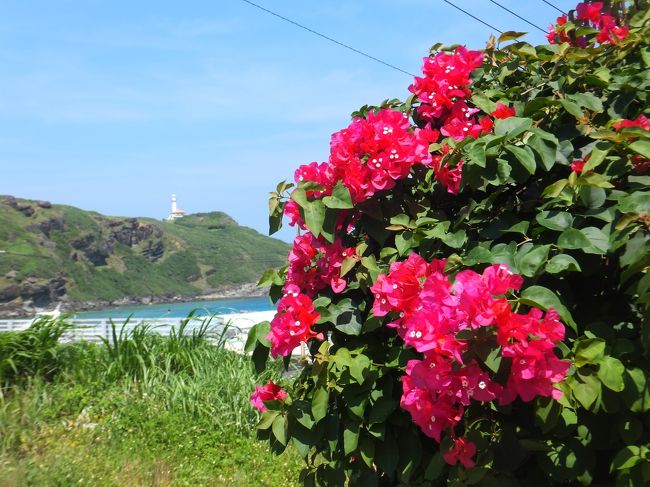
column 58, row 252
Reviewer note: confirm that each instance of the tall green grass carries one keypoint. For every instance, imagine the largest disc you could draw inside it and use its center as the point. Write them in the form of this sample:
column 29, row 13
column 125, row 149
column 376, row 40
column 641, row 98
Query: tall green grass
column 138, row 399
column 33, row 352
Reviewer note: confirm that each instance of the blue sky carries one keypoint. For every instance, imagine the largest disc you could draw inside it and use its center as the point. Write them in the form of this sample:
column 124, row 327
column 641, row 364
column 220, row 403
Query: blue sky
column 113, row 105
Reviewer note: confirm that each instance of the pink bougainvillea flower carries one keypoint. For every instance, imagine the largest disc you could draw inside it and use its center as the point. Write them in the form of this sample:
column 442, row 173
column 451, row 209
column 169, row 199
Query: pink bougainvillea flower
column 589, row 11
column 503, row 111
column 267, row 392
column 640, row 121
column 315, row 264
column 577, row 166
column 535, row 369
column 640, row 163
column 462, row 451
column 292, row 323
column 433, row 311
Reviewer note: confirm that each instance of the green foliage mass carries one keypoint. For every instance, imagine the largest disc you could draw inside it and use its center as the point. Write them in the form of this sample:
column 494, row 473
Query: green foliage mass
column 581, row 240
column 140, row 409
column 108, row 258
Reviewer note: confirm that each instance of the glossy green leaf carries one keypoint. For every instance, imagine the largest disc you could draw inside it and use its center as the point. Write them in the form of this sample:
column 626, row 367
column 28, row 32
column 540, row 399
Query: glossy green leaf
column 589, row 351
column 561, row 263
column 555, row 220
column 340, row 198
column 610, row 373
column 525, row 157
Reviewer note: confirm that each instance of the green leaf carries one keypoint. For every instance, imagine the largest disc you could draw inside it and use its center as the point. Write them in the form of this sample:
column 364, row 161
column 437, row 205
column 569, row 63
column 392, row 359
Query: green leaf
column 554, row 190
column 547, row 413
column 382, row 408
column 545, row 298
column 545, row 145
column 641, row 147
column 367, row 450
column 592, row 197
column 555, row 220
column 280, row 429
column 340, row 198
column 587, row 100
column 510, row 35
column 512, row 126
column 359, row 367
column 476, row 153
column 588, row 351
column 533, row 261
column 637, row 390
column 610, row 373
column 561, row 263
column 346, row 316
column 572, row 238
column 313, row 212
column 596, row 157
column 525, row 156
column 269, row 278
column 403, row 242
column 256, row 334
column 493, row 360
column 267, row 419
column 347, row 265
column 572, row 108
column 454, row 240
column 628, row 457
column 598, row 241
column 351, row 437
column 585, row 388
column 483, row 102
column 637, row 202
column 320, row 402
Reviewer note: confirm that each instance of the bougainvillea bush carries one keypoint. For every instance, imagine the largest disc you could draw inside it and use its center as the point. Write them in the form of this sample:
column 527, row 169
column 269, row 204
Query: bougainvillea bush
column 470, row 276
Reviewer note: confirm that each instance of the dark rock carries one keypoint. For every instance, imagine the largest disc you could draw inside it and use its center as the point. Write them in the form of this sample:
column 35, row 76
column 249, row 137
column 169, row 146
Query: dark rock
column 44, row 204
column 83, row 242
column 98, row 254
column 153, row 250
column 9, row 200
column 95, row 251
column 42, row 293
column 25, row 208
column 9, row 293
column 55, row 223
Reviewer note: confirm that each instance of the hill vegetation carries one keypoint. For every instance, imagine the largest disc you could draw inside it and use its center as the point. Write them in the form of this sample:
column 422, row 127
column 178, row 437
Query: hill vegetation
column 60, row 253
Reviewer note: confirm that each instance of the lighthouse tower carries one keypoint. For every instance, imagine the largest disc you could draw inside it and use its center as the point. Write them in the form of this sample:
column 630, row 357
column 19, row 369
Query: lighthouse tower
column 176, row 211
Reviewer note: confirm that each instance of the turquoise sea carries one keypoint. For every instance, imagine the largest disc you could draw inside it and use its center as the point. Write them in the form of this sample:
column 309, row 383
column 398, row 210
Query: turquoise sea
column 181, row 310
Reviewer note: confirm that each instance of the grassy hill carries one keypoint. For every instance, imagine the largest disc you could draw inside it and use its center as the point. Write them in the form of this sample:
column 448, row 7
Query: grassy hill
column 58, row 252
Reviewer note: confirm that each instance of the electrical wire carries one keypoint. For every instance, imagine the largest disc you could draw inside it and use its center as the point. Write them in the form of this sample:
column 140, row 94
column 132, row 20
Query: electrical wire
column 518, row 16
column 327, row 38
column 558, row 9
column 473, row 16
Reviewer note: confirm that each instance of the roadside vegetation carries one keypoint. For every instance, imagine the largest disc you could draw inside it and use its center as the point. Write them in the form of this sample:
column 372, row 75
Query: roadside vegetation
column 138, row 409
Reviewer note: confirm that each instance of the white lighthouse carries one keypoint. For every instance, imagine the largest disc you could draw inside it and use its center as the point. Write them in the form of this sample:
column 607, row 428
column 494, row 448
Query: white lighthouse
column 176, row 212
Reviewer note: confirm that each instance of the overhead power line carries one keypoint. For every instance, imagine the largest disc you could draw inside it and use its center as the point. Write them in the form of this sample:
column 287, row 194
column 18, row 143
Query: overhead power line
column 328, row 38
column 518, row 16
column 473, row 16
column 558, row 9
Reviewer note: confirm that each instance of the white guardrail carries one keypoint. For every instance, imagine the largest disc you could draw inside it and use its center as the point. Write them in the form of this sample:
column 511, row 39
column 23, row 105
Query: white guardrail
column 93, row 330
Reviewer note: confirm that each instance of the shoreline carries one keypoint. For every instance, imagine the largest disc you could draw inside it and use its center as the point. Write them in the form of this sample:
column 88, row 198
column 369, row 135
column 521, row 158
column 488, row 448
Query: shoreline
column 241, row 291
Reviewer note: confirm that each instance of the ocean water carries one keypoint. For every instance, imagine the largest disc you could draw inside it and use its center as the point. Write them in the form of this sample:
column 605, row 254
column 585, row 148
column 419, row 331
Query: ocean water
column 181, row 310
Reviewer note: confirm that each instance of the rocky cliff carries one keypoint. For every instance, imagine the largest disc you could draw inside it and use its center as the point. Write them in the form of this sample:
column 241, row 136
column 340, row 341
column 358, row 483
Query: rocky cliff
column 53, row 254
